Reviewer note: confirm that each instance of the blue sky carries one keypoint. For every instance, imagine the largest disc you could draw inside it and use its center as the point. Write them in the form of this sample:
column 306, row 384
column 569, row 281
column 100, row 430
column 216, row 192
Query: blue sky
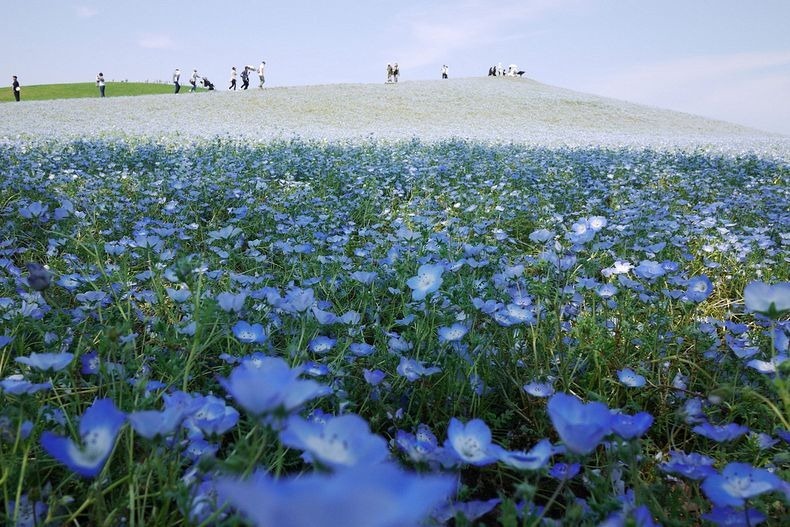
column 727, row 59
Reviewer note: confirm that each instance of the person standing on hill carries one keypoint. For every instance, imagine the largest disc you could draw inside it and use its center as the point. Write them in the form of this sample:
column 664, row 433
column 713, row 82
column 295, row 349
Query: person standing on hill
column 100, row 83
column 445, row 71
column 193, row 81
column 15, row 88
column 389, row 73
column 176, row 78
column 395, row 72
column 261, row 67
column 232, row 79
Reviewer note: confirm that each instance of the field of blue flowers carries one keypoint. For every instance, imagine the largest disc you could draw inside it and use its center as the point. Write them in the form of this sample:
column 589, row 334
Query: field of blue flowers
column 391, row 333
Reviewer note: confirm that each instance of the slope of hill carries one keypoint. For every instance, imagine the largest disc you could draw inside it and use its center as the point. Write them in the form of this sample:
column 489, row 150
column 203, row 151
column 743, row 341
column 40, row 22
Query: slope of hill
column 488, row 109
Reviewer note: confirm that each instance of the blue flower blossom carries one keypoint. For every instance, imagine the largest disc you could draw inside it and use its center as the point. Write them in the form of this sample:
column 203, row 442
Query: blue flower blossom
column 699, row 288
column 772, row 300
column 427, row 280
column 413, row 369
column 539, row 389
column 453, row 333
column 321, row 345
column 580, row 426
column 99, row 427
column 737, row 483
column 630, row 378
column 249, row 333
column 731, row 517
column 337, row 442
column 631, row 426
column 537, row 457
column 271, row 386
column 471, row 442
column 721, row 433
column 692, row 466
column 47, row 361
column 362, row 496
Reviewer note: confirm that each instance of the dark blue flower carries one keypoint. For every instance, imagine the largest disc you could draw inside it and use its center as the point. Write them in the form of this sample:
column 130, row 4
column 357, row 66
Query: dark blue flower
column 99, row 427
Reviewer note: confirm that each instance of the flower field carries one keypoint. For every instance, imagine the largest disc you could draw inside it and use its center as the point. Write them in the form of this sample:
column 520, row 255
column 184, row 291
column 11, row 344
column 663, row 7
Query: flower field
column 386, row 333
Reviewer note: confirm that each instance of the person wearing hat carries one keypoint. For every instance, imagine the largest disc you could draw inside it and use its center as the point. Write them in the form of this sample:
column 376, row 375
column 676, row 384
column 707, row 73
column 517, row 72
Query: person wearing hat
column 15, row 88
column 260, row 74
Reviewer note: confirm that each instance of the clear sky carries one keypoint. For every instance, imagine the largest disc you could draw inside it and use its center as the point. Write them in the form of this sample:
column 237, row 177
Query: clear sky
column 727, row 59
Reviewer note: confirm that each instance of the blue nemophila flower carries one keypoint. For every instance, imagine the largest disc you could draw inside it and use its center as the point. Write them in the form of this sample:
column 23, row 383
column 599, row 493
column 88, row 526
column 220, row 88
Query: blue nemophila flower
column 649, row 270
column 413, row 369
column 337, row 442
column 453, row 333
column 631, row 426
column 471, row 442
column 421, row 446
column 232, row 302
column 152, row 423
column 321, row 345
column 364, row 277
column 373, row 377
column 630, row 378
column 17, row 384
column 470, row 510
column 249, row 333
column 539, row 389
column 27, row 513
column 5, row 340
column 580, row 426
column 720, row 433
column 178, row 295
column 271, row 386
column 699, row 288
column 731, row 517
column 535, row 459
column 90, row 363
column 212, row 416
column 739, row 482
column 47, row 361
column 564, row 471
column 693, row 466
column 772, row 300
column 541, row 236
column 361, row 349
column 99, row 427
column 361, row 496
column 427, row 280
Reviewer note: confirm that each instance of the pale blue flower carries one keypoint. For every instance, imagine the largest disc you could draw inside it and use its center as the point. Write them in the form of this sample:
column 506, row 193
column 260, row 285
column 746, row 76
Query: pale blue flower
column 427, row 280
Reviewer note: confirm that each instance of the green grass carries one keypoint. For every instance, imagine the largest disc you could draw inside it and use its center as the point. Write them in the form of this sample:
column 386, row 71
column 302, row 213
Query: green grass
column 77, row 90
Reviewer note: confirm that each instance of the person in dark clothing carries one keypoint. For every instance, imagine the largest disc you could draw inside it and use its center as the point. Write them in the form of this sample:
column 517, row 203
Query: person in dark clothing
column 15, row 88
column 245, row 78
column 232, row 79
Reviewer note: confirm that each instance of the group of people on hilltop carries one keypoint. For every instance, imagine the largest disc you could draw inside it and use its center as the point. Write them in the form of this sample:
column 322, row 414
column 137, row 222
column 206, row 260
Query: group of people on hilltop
column 500, row 71
column 245, row 76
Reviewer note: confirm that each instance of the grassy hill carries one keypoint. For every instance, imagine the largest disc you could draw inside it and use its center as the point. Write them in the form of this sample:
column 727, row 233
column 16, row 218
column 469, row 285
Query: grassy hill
column 42, row 92
column 481, row 108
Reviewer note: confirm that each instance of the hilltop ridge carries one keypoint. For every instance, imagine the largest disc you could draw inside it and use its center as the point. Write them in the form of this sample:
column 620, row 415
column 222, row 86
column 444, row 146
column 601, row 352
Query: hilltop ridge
column 486, row 108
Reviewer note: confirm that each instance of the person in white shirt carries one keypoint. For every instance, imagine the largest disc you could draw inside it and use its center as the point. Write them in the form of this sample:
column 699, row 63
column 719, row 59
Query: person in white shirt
column 445, row 71
column 100, row 83
column 232, row 78
column 261, row 67
column 176, row 78
column 193, row 81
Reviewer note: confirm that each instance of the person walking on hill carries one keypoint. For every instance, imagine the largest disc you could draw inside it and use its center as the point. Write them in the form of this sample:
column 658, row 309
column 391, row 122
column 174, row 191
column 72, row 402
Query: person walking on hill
column 232, row 79
column 193, row 81
column 245, row 77
column 389, row 73
column 15, row 88
column 395, row 72
column 445, row 71
column 176, row 79
column 100, row 83
column 261, row 67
